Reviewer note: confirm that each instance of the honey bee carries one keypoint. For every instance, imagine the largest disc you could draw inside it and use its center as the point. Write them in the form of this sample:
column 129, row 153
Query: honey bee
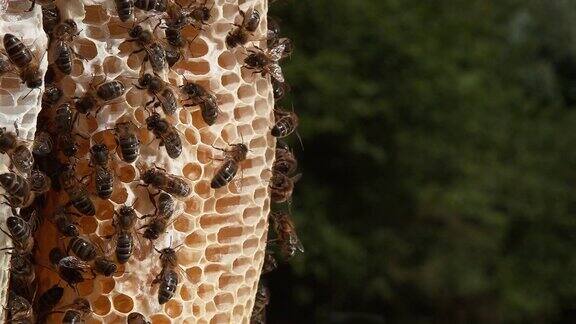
column 125, row 135
column 104, row 266
column 273, row 32
column 19, row 309
column 270, row 263
column 201, row 97
column 42, row 143
column 286, row 235
column 65, row 226
column 50, row 17
column 240, row 35
column 279, row 89
column 286, row 123
column 160, row 91
column 137, row 318
column 103, row 176
column 52, row 94
column 155, row 228
column 96, row 97
column 162, row 214
column 173, row 55
column 125, row 9
column 49, row 299
column 282, row 186
column 154, row 52
column 22, row 58
column 71, row 269
column 285, row 161
column 266, row 61
column 21, row 157
column 17, row 188
column 261, row 300
column 166, row 133
column 84, row 249
column 166, row 205
column 77, row 313
column 227, row 171
column 77, row 192
column 168, row 278
column 124, row 221
column 31, row 215
column 201, row 13
column 20, row 233
column 22, row 275
column 55, row 255
column 39, row 182
column 64, row 34
column 152, row 5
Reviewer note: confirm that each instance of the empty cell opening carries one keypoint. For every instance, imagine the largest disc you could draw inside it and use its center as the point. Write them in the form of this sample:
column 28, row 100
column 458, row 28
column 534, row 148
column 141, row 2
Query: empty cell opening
column 251, row 214
column 96, row 33
column 184, row 116
column 77, row 68
column 105, row 210
column 127, row 173
column 246, row 93
column 182, row 224
column 227, row 60
column 192, row 205
column 262, row 87
column 261, row 107
column 229, row 281
column 230, row 234
column 107, row 285
column 257, row 143
column 226, row 204
column 173, row 308
column 230, row 81
column 220, row 318
column 88, row 224
column 86, row 48
column 101, row 306
column 192, row 171
column 95, row 15
column 238, row 310
column 226, row 101
column 199, row 47
column 194, row 274
column 249, row 246
column 224, row 301
column 85, row 288
column 261, row 125
column 160, row 319
column 123, row 303
column 244, row 292
column 185, row 293
column 119, row 195
column 112, row 65
column 203, row 189
column 205, row 291
column 243, row 113
column 215, row 253
column 250, row 274
column 207, row 137
column 199, row 67
column 136, row 97
column 6, row 99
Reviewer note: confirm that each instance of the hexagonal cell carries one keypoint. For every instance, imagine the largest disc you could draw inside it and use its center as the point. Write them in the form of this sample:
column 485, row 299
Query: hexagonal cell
column 246, row 93
column 227, row 60
column 123, row 303
column 230, row 81
column 101, row 306
column 173, row 308
column 160, row 319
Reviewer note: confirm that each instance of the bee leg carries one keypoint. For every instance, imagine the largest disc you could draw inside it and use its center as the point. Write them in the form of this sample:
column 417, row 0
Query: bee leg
column 32, row 6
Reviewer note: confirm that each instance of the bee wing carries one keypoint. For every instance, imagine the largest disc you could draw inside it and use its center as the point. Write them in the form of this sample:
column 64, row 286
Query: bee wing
column 276, row 53
column 296, row 242
column 276, row 72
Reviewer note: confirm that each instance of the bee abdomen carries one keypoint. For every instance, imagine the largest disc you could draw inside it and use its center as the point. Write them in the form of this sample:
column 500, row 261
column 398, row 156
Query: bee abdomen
column 168, row 286
column 173, row 145
column 49, row 299
column 110, row 90
column 83, row 249
column 14, row 184
column 64, row 58
column 282, row 128
column 50, row 18
column 129, row 147
column 151, row 5
column 19, row 229
column 104, row 183
column 224, row 175
column 23, row 159
column 18, row 53
column 178, row 187
column 124, row 247
column 170, row 103
column 174, row 37
column 72, row 317
column 84, row 205
column 125, row 9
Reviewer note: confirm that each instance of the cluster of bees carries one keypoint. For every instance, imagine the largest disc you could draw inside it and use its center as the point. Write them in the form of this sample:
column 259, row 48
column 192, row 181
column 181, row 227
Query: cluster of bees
column 34, row 171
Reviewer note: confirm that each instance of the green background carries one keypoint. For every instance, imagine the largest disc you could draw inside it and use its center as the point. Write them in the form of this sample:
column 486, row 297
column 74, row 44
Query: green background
column 439, row 163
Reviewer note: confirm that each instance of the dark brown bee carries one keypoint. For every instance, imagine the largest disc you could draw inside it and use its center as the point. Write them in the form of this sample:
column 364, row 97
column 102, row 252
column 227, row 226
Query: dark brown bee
column 96, row 98
column 173, row 55
column 168, row 278
column 286, row 235
column 22, row 159
column 64, row 118
column 80, row 309
column 31, row 215
column 56, row 254
column 201, row 13
column 285, row 161
column 137, row 318
column 160, row 179
column 286, row 123
column 103, row 176
column 155, row 53
column 125, row 9
column 39, row 182
column 65, row 226
column 77, row 192
column 42, row 143
column 266, row 61
column 49, row 299
column 17, row 188
column 155, row 228
column 201, row 97
column 160, row 91
column 261, row 300
column 240, row 34
column 104, row 267
column 230, row 167
column 126, row 138
column 152, row 5
column 22, row 58
column 22, row 275
column 71, row 269
column 20, row 233
column 19, row 310
column 270, row 263
column 52, row 94
column 84, row 249
column 8, row 140
column 164, row 209
column 282, row 186
column 5, row 65
column 50, row 17
column 166, row 205
column 273, row 32
column 279, row 89
column 63, row 51
column 166, row 133
column 124, row 221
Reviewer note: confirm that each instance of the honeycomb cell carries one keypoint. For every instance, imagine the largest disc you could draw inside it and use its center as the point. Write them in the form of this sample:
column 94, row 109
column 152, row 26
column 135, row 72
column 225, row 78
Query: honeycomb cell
column 230, row 234
column 86, row 48
column 199, row 67
column 95, row 15
column 101, row 306
column 215, row 253
column 243, row 113
column 227, row 60
column 230, row 81
column 224, row 301
column 192, row 171
column 173, row 308
column 220, row 318
column 160, row 319
column 182, row 224
column 123, row 303
column 229, row 281
column 246, row 93
column 127, row 173
column 206, row 291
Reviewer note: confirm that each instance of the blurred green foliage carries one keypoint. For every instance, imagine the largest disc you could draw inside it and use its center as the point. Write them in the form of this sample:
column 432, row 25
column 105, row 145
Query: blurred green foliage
column 439, row 163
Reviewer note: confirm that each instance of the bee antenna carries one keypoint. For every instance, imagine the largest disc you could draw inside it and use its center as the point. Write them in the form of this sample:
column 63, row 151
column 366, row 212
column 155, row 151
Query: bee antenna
column 134, row 202
column 28, row 93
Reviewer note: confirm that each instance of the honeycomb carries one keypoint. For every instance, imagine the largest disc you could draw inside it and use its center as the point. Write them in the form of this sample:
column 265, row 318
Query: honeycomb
column 220, row 234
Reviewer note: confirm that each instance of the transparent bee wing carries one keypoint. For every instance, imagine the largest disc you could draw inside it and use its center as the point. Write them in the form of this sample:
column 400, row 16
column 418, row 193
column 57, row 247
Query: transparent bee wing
column 277, row 52
column 276, row 72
